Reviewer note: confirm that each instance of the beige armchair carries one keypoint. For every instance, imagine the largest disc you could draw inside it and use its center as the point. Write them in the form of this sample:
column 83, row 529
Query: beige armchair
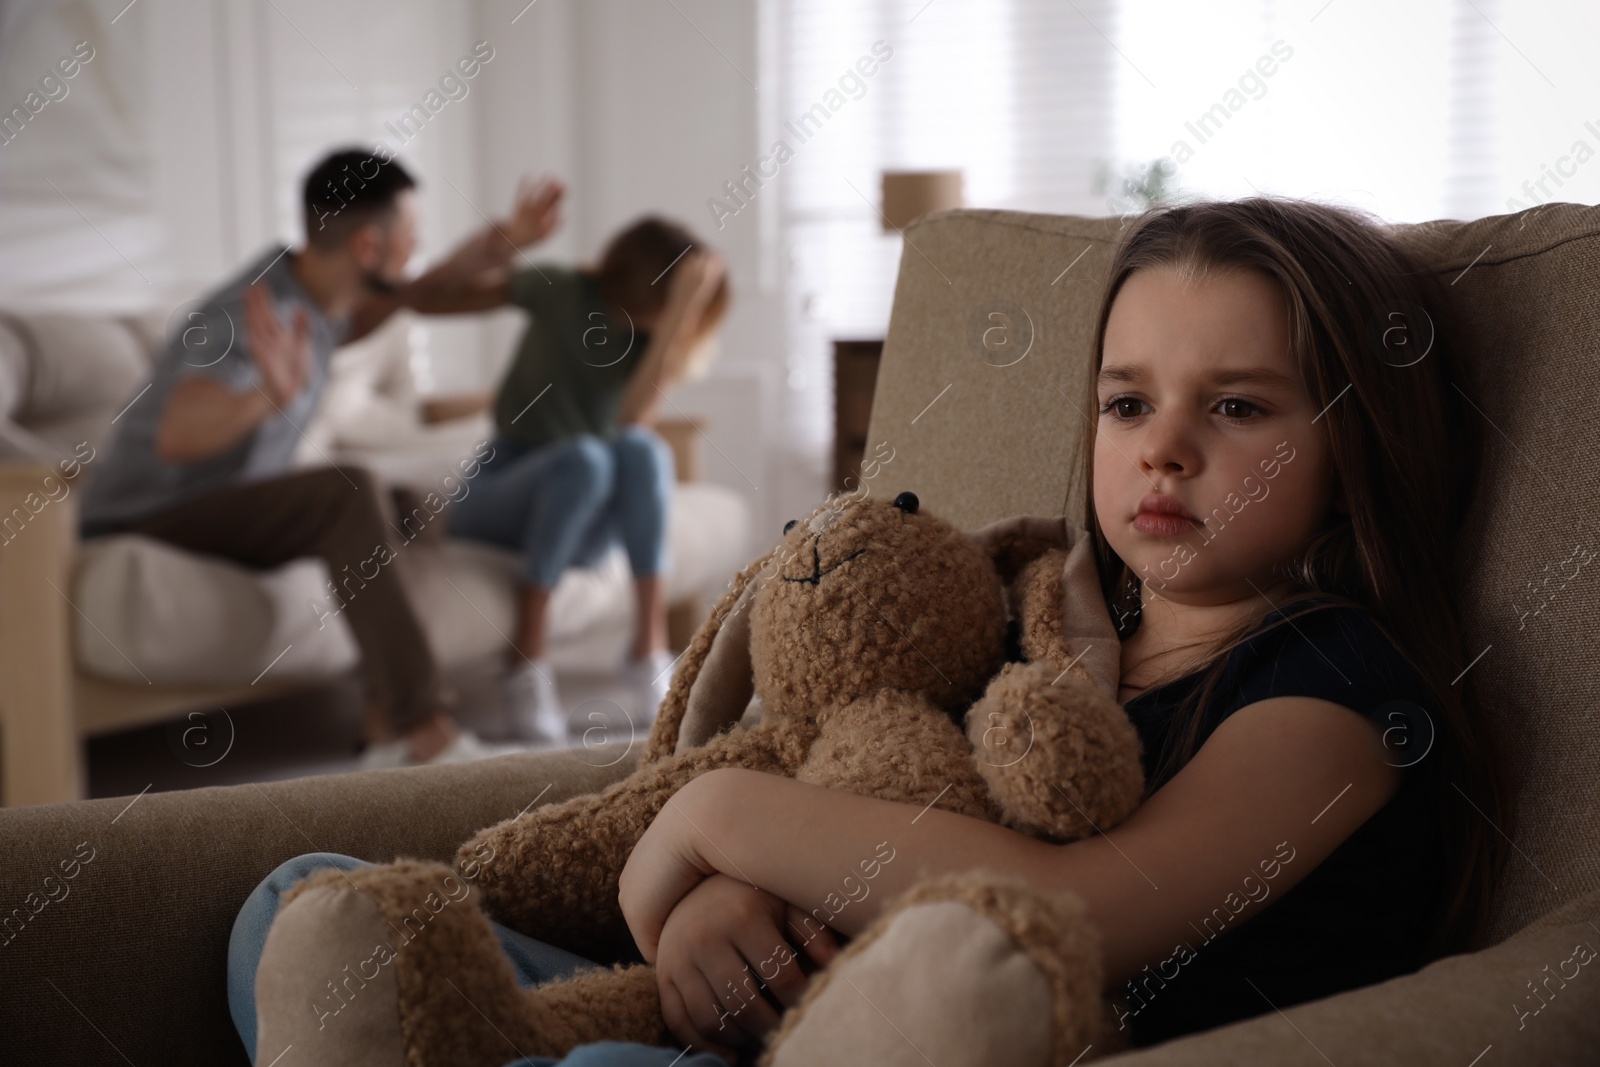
column 132, row 954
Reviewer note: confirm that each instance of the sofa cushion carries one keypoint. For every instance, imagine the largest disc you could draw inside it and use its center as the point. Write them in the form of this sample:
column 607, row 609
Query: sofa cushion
column 14, row 372
column 18, row 444
column 82, row 366
column 470, row 587
column 63, row 378
column 149, row 612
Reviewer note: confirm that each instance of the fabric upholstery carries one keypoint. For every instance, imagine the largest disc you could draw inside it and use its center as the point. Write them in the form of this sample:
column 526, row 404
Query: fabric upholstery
column 136, row 939
column 62, row 378
column 18, row 444
column 13, row 368
column 1531, row 999
column 92, row 363
column 1522, row 296
column 982, row 307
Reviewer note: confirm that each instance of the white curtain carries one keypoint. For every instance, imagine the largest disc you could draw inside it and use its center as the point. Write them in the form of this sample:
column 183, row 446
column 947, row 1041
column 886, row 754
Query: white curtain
column 77, row 207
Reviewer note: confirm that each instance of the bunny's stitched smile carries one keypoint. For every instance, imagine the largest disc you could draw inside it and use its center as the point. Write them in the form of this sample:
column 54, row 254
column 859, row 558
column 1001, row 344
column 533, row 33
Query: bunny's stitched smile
column 816, row 565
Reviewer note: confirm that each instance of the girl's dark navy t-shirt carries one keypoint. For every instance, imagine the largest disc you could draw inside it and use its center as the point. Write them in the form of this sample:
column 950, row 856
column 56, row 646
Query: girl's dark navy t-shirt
column 1363, row 915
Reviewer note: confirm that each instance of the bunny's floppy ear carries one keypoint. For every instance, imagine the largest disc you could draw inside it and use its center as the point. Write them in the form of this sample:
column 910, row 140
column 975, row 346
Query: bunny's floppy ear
column 713, row 685
column 1047, row 565
column 1012, row 543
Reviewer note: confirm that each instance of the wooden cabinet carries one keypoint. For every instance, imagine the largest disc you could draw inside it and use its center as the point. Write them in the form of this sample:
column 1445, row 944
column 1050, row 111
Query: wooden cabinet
column 855, row 373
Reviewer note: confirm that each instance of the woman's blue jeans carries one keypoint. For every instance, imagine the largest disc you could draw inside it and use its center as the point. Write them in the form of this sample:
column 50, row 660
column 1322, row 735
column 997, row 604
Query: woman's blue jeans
column 565, row 503
column 534, row 962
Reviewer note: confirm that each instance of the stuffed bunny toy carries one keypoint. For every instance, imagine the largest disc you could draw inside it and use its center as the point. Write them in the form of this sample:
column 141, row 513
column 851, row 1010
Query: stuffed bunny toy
column 874, row 636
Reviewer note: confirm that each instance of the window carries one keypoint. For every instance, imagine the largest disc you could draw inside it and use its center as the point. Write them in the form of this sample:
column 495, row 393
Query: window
column 1414, row 111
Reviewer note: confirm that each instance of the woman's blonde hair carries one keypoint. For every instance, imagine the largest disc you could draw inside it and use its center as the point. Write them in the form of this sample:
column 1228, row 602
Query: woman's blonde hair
column 1406, row 453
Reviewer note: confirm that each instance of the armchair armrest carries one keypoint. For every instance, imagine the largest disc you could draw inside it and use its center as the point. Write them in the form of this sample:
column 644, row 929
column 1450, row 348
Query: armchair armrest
column 98, row 891
column 39, row 751
column 1531, row 998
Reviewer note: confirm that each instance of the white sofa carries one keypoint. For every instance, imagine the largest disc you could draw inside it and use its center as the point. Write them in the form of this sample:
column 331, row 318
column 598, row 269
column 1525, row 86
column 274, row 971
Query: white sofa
column 128, row 630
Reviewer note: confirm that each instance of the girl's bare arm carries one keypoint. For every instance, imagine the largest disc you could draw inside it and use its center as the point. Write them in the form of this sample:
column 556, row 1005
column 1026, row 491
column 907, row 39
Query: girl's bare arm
column 1268, row 797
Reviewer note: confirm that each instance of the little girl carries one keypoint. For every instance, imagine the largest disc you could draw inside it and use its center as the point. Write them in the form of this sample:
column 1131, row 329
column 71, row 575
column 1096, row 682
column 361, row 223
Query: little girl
column 1278, row 461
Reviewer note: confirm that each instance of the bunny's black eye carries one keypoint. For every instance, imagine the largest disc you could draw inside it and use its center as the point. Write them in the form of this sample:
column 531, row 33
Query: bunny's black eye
column 907, row 502
column 789, row 525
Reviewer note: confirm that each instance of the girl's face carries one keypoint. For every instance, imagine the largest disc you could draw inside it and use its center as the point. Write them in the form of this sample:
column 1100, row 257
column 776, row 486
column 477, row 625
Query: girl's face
column 1201, row 404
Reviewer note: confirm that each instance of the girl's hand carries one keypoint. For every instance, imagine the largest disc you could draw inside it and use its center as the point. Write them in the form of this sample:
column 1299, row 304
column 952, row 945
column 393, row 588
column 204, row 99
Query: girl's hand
column 662, row 868
column 1086, row 623
column 721, row 944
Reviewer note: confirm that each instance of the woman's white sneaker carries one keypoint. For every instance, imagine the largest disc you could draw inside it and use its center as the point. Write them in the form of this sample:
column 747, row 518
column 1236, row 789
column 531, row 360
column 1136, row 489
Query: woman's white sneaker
column 534, row 703
column 465, row 746
column 647, row 681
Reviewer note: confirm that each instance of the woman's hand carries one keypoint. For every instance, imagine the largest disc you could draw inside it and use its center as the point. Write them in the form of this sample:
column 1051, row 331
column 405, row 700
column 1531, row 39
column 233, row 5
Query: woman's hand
column 720, row 946
column 695, row 280
column 689, row 290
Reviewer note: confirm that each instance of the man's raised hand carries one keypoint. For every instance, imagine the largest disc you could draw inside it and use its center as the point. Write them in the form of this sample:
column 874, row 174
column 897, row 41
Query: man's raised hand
column 536, row 212
column 283, row 359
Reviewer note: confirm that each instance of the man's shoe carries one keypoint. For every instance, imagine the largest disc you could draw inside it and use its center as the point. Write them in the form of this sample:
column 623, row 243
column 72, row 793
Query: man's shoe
column 535, row 706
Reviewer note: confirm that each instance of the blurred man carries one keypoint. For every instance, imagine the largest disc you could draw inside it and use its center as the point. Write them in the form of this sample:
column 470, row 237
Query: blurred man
column 202, row 455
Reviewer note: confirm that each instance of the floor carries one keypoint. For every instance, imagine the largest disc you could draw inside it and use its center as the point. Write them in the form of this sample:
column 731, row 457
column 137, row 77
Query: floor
column 316, row 732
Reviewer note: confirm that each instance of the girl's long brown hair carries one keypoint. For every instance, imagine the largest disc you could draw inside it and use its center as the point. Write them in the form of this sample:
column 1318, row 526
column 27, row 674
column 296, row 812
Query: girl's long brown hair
column 1406, row 453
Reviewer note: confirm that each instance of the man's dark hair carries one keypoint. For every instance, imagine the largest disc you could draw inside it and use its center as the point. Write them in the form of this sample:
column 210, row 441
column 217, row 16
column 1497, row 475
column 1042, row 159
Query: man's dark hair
column 347, row 190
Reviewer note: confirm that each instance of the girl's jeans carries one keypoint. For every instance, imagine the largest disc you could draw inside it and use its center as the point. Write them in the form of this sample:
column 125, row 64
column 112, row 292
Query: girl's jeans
column 565, row 503
column 534, row 962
